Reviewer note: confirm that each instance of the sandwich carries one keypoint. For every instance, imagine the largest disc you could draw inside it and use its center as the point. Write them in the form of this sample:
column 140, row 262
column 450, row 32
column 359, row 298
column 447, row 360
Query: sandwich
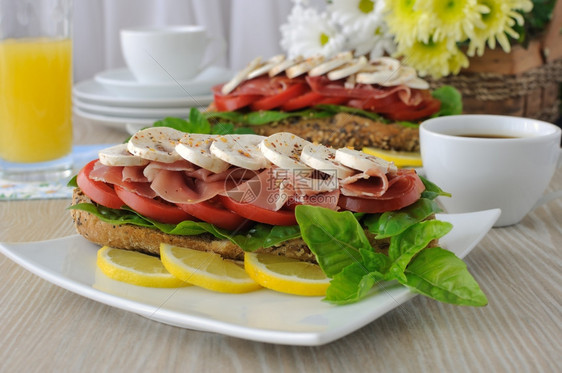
column 359, row 217
column 342, row 101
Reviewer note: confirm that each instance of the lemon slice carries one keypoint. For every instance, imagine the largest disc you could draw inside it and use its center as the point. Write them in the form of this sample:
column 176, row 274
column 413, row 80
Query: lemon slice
column 135, row 268
column 206, row 269
column 286, row 275
column 400, row 159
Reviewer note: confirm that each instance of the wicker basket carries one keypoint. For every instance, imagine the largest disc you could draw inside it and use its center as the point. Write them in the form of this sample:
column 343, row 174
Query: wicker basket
column 526, row 82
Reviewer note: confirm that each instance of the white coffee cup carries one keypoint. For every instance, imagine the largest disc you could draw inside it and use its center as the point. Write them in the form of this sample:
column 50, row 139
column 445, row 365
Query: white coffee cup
column 169, row 53
column 510, row 173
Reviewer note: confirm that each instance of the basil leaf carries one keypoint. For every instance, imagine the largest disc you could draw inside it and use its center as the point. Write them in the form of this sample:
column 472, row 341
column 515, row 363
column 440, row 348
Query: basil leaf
column 279, row 234
column 451, row 101
column 175, row 123
column 334, row 109
column 72, row 182
column 408, row 124
column 351, row 284
column 198, row 122
column 437, row 273
column 222, row 128
column 231, row 116
column 404, row 246
column 112, row 216
column 395, row 222
column 261, row 235
column 432, row 191
column 334, row 237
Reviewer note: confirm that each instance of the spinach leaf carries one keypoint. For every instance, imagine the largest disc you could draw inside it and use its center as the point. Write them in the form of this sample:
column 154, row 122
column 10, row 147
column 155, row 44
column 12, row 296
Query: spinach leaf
column 405, row 245
column 334, row 237
column 432, row 191
column 437, row 273
column 451, row 101
column 392, row 223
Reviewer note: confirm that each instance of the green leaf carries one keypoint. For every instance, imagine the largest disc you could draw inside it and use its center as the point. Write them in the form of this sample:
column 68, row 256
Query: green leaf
column 334, row 109
column 432, row 191
column 404, row 246
column 222, row 128
column 72, row 182
column 439, row 274
column 408, row 124
column 230, row 116
column 279, row 234
column 175, row 123
column 351, row 284
column 261, row 235
column 198, row 122
column 392, row 223
column 334, row 237
column 451, row 101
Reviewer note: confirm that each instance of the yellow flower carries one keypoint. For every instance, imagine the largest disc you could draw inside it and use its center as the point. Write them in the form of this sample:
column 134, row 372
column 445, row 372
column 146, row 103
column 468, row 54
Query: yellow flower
column 498, row 22
column 453, row 20
column 406, row 22
column 433, row 58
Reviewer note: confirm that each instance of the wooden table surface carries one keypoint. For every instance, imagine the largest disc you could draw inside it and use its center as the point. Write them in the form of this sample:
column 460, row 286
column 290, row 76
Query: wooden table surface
column 46, row 328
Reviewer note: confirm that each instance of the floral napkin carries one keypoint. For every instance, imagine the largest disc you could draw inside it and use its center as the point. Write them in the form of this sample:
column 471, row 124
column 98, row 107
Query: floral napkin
column 10, row 190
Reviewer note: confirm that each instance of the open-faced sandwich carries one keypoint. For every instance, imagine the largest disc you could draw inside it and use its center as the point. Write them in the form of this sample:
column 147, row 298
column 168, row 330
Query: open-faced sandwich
column 342, row 101
column 359, row 217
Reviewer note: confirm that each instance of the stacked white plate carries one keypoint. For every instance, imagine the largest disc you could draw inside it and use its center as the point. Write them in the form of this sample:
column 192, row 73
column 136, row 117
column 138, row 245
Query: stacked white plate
column 116, row 99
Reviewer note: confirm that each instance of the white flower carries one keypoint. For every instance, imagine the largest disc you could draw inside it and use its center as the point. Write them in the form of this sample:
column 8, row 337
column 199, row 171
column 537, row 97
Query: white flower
column 372, row 38
column 308, row 33
column 356, row 14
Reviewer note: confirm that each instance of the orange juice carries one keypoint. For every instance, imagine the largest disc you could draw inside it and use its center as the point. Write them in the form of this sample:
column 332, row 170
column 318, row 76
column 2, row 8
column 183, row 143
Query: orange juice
column 35, row 99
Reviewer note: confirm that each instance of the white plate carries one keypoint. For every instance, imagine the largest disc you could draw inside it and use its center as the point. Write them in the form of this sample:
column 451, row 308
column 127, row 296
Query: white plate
column 121, row 81
column 114, row 122
column 262, row 315
column 93, row 92
column 133, row 112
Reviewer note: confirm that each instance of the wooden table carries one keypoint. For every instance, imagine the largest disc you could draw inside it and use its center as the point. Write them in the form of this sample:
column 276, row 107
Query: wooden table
column 46, row 328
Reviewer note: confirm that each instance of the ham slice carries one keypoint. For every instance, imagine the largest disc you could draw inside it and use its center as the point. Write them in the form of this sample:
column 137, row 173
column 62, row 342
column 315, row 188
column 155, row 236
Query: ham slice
column 176, row 187
column 134, row 173
column 372, row 183
column 115, row 175
column 153, row 168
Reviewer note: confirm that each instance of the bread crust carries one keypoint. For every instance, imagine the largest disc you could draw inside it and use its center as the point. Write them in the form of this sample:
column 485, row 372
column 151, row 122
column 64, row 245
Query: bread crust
column 347, row 130
column 147, row 240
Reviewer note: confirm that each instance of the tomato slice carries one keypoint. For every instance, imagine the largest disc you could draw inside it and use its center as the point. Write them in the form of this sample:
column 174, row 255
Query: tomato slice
column 255, row 213
column 214, row 212
column 429, row 108
column 305, row 100
column 332, row 101
column 278, row 99
column 97, row 191
column 231, row 103
column 161, row 211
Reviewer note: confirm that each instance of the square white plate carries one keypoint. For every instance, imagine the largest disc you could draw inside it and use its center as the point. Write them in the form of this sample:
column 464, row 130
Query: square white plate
column 262, row 315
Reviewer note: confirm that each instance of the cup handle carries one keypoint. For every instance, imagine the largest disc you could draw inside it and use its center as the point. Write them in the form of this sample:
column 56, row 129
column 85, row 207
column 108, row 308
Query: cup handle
column 552, row 195
column 217, row 54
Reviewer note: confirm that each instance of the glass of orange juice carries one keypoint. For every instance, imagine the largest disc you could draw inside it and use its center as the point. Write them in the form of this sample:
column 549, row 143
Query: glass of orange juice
column 35, row 90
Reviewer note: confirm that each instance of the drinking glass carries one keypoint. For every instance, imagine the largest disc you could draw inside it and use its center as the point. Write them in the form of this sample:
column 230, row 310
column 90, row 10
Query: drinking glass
column 35, row 90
